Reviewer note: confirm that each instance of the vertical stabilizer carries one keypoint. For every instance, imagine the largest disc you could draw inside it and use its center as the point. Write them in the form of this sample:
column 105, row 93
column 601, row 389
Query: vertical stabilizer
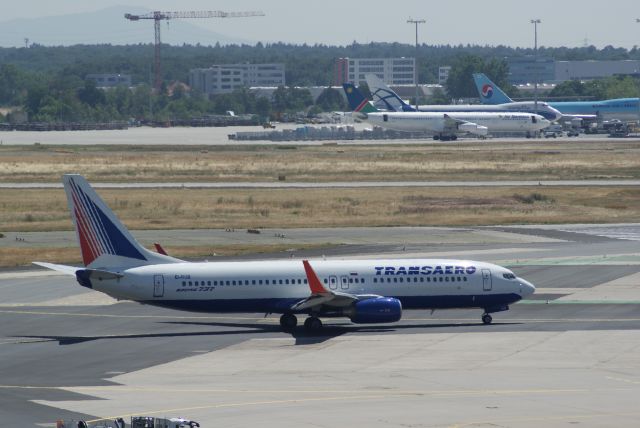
column 489, row 92
column 384, row 96
column 357, row 102
column 104, row 241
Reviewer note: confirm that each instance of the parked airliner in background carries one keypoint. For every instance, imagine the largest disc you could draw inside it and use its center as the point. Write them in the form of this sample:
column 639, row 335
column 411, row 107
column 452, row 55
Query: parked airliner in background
column 444, row 125
column 623, row 109
column 384, row 97
column 365, row 291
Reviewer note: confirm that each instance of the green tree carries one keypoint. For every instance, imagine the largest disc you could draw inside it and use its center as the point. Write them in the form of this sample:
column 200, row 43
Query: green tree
column 460, row 82
column 331, row 100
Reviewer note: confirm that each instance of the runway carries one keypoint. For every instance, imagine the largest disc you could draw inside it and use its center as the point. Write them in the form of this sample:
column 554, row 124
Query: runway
column 567, row 356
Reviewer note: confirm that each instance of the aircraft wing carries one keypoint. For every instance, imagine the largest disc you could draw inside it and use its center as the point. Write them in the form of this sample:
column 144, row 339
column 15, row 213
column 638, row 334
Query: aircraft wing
column 320, row 296
column 453, row 125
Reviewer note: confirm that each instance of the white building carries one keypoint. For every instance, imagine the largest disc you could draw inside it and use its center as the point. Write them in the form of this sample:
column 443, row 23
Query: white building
column 223, row 79
column 392, row 71
column 443, row 74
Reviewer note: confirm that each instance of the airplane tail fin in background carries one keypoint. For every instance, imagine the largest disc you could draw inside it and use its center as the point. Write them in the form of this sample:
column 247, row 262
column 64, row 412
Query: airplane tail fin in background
column 384, row 97
column 357, row 102
column 489, row 92
column 104, row 241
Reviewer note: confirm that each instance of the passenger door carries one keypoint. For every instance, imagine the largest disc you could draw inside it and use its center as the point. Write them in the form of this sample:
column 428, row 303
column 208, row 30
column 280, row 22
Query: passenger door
column 158, row 286
column 486, row 280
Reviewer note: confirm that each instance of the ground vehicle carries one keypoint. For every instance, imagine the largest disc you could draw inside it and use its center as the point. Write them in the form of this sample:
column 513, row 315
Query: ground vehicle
column 552, row 131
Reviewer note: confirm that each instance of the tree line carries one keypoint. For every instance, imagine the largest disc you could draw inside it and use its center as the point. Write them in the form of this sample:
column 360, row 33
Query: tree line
column 48, row 83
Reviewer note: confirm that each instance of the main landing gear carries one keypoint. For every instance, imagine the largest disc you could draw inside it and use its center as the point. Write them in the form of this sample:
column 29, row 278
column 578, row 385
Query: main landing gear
column 312, row 324
column 442, row 137
column 289, row 322
column 486, row 318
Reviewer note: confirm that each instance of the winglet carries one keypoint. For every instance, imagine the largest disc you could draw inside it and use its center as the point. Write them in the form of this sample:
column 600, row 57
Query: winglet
column 314, row 282
column 159, row 249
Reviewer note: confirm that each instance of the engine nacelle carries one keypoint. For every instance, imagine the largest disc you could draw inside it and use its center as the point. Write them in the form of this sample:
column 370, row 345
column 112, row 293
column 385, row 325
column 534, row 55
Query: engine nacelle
column 473, row 128
column 379, row 310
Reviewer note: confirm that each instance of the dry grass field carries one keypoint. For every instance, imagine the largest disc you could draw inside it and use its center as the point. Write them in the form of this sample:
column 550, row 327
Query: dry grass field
column 490, row 160
column 46, row 210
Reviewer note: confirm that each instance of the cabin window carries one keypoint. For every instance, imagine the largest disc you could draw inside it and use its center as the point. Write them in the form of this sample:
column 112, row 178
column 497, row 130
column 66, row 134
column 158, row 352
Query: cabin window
column 299, row 281
column 401, row 280
column 286, row 281
column 184, row 283
column 464, row 278
column 208, row 282
column 325, row 281
column 304, row 280
column 215, row 282
column 253, row 282
column 280, row 282
column 260, row 282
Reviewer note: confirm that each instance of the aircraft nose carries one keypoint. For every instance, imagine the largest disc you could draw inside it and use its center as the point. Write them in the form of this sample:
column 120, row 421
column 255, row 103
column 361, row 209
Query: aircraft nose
column 527, row 288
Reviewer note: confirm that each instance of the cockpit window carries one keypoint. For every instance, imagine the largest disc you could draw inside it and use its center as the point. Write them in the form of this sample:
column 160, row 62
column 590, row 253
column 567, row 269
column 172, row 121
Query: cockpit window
column 508, row 276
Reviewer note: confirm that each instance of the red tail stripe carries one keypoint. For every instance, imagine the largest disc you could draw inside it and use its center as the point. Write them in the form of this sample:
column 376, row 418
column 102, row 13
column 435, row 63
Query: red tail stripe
column 85, row 232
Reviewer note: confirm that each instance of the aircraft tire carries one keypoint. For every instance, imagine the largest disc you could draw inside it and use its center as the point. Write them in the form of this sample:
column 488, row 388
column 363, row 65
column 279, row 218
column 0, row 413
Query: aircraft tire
column 487, row 319
column 312, row 324
column 288, row 322
column 454, row 137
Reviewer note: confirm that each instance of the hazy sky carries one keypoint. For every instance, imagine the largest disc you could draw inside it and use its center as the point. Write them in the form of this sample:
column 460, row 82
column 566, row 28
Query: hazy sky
column 565, row 22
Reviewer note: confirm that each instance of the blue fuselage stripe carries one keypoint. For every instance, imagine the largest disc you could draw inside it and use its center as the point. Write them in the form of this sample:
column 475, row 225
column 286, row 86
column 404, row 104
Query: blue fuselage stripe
column 283, row 305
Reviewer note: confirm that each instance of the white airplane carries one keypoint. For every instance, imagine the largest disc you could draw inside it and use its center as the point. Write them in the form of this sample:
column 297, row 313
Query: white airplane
column 384, row 97
column 365, row 291
column 444, row 125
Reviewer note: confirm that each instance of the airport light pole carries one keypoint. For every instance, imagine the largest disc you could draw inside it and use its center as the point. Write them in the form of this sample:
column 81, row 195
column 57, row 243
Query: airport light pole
column 535, row 23
column 415, row 60
column 638, row 80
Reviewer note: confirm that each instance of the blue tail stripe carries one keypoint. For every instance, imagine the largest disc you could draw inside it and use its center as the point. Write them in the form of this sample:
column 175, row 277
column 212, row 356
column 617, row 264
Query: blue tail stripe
column 92, row 216
column 114, row 241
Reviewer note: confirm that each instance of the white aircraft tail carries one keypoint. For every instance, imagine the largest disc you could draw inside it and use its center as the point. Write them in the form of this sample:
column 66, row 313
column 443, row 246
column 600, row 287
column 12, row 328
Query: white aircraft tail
column 104, row 241
column 384, row 97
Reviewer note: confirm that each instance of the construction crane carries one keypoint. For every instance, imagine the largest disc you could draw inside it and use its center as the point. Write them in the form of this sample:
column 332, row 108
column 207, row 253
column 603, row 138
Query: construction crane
column 159, row 16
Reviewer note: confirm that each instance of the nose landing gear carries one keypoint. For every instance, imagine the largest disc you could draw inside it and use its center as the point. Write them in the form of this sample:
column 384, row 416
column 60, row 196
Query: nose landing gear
column 486, row 318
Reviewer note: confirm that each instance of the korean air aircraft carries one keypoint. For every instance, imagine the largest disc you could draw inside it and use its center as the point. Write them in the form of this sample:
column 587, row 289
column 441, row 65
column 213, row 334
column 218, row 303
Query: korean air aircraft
column 384, row 97
column 444, row 125
column 623, row 109
column 365, row 291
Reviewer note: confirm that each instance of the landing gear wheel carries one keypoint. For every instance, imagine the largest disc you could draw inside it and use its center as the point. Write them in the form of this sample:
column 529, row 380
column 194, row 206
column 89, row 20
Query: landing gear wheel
column 486, row 318
column 312, row 324
column 288, row 322
column 454, row 137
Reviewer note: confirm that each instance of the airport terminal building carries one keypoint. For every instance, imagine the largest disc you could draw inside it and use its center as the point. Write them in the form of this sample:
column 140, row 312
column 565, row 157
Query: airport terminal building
column 524, row 70
column 392, row 71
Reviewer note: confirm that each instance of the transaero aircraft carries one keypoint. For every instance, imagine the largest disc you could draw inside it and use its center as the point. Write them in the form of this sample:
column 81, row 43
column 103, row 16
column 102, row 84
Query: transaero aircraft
column 623, row 109
column 444, row 125
column 365, row 291
column 384, row 97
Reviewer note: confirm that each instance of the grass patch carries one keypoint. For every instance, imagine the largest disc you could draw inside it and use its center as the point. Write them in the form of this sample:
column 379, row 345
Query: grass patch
column 532, row 198
column 44, row 210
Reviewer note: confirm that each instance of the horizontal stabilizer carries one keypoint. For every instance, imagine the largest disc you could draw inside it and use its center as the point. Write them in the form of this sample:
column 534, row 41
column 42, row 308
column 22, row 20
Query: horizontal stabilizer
column 67, row 270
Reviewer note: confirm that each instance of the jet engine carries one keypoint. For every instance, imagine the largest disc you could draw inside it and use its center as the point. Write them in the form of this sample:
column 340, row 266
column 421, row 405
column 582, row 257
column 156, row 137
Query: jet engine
column 378, row 310
column 473, row 128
